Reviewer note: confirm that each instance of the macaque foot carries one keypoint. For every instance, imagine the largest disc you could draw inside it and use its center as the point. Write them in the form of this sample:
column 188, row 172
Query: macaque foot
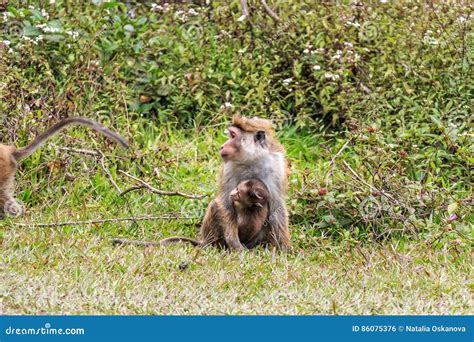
column 13, row 208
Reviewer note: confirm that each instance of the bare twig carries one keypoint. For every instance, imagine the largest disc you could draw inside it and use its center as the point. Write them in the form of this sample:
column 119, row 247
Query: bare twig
column 270, row 12
column 333, row 160
column 157, row 191
column 245, row 10
column 80, row 150
column 89, row 152
column 135, row 242
column 133, row 188
column 89, row 222
column 246, row 13
column 107, row 172
column 373, row 188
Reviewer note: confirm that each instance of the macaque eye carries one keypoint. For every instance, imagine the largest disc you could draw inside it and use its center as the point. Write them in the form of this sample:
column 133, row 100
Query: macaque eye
column 260, row 136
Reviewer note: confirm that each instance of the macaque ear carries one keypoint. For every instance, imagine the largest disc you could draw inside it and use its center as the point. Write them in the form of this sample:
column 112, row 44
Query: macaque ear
column 260, row 136
column 257, row 195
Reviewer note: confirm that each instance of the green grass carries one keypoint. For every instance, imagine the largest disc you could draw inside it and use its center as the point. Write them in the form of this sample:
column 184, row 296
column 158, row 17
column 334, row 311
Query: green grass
column 380, row 196
column 64, row 271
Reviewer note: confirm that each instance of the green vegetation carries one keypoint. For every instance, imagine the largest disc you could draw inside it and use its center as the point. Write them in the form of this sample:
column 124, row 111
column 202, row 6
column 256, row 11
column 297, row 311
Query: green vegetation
column 373, row 103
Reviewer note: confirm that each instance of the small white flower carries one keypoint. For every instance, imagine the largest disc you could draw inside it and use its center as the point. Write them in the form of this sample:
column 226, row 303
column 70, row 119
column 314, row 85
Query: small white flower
column 73, row 34
column 31, row 7
column 316, row 67
column 6, row 15
column 383, row 1
column 156, row 7
column 68, row 46
column 227, row 105
column 350, row 45
column 10, row 50
column 6, row 42
column 52, row 2
column 192, row 11
column 330, row 76
column 44, row 13
column 305, row 51
column 353, row 24
column 287, row 81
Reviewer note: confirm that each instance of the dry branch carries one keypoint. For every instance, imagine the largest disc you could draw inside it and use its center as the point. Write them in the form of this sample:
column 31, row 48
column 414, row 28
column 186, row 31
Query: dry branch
column 107, row 172
column 174, row 216
column 145, row 185
column 270, row 12
column 245, row 10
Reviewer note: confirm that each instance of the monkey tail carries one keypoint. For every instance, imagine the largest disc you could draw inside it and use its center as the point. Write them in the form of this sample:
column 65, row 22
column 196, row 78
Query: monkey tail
column 175, row 239
column 26, row 151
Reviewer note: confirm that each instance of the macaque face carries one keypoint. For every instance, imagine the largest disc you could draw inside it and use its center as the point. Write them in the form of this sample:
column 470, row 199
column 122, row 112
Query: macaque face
column 250, row 194
column 243, row 146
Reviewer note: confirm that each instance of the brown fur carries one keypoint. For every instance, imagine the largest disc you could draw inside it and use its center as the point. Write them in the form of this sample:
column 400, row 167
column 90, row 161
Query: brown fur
column 253, row 151
column 250, row 200
column 10, row 157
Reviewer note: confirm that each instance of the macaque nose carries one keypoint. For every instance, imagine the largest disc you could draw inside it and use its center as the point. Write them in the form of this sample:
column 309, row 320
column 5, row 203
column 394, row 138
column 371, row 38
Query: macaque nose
column 234, row 194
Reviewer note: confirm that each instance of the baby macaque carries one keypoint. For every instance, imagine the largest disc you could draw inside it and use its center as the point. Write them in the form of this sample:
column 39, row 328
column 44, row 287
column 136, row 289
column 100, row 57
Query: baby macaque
column 250, row 200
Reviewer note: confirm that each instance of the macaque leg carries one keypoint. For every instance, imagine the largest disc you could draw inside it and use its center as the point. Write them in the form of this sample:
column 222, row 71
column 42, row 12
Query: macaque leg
column 231, row 231
column 211, row 229
column 9, row 205
column 231, row 236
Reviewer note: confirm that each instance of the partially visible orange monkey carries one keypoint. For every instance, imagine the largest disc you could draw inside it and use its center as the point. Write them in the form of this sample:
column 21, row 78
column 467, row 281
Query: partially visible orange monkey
column 11, row 156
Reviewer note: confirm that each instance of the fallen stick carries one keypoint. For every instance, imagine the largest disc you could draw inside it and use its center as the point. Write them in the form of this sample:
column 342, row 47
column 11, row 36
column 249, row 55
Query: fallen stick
column 88, row 222
column 155, row 190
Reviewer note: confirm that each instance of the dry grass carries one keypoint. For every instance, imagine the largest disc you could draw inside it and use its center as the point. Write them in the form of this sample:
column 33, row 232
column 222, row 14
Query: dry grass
column 50, row 271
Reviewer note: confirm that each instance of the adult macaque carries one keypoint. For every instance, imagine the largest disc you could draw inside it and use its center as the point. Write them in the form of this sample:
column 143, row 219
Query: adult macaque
column 10, row 157
column 251, row 153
